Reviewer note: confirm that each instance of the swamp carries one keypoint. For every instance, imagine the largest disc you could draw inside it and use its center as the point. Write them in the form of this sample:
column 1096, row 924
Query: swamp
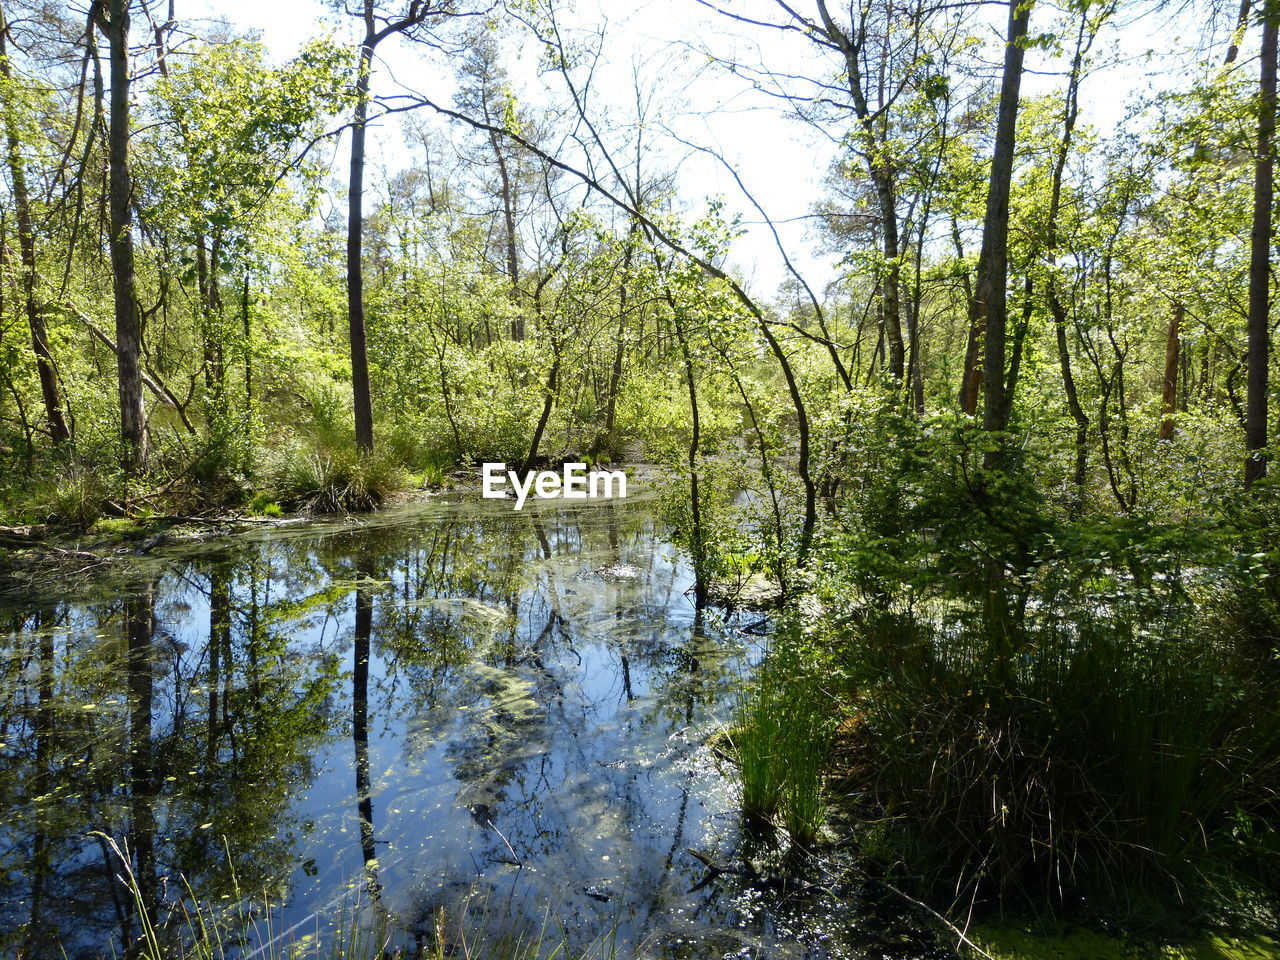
column 692, row 479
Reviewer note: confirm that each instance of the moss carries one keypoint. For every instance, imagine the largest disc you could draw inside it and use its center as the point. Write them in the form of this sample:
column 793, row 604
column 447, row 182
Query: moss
column 262, row 505
column 1006, row 942
column 121, row 527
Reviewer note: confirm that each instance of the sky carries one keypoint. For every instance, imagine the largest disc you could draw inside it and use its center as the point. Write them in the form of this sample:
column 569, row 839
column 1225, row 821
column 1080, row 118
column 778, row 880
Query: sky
column 664, row 42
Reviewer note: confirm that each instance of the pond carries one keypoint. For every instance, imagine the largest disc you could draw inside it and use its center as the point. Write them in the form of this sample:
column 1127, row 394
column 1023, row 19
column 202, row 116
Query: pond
column 469, row 720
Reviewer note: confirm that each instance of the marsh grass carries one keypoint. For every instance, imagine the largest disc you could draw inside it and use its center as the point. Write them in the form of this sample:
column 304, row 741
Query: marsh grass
column 1095, row 757
column 782, row 737
column 333, row 479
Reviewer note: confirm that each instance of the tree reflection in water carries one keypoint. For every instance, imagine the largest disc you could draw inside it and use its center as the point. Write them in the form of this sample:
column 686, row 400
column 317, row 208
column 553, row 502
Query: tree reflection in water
column 528, row 694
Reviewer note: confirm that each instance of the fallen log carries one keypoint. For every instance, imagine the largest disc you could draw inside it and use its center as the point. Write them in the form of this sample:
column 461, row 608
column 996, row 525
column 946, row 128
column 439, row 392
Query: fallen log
column 23, row 536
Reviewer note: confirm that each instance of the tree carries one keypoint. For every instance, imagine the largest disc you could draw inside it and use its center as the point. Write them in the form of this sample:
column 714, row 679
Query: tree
column 112, row 17
column 228, row 160
column 485, row 93
column 990, row 295
column 377, row 27
column 45, row 366
column 1259, row 343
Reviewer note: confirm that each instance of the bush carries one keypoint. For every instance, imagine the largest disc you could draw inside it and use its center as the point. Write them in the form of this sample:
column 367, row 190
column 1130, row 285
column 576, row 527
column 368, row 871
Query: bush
column 1054, row 710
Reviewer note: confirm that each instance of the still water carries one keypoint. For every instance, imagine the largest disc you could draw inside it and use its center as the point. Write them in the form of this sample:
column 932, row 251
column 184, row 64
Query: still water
column 471, row 721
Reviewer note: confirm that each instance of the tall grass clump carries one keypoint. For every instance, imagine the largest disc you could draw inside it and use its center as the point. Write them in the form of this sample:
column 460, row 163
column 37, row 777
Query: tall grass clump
column 321, row 470
column 1106, row 763
column 74, row 499
column 334, row 479
column 781, row 737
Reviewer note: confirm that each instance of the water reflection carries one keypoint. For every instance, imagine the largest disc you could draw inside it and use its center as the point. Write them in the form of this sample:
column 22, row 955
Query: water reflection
column 450, row 714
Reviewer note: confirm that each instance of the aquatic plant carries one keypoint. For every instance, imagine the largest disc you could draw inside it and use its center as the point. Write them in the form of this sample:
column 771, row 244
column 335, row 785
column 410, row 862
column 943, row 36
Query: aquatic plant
column 756, row 739
column 781, row 737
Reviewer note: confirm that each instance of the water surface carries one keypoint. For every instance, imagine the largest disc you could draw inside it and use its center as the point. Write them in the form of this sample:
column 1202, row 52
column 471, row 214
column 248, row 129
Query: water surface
column 453, row 715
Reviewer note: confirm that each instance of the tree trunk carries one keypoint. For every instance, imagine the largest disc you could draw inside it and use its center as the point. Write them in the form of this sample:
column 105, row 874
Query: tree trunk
column 1242, row 20
column 362, row 402
column 248, row 347
column 1070, row 113
column 1172, row 351
column 45, row 368
column 548, row 403
column 880, row 170
column 620, row 347
column 892, row 287
column 1260, row 254
column 128, row 326
column 915, row 372
column 509, row 229
column 971, row 375
column 1073, row 398
column 990, row 300
column 1019, row 338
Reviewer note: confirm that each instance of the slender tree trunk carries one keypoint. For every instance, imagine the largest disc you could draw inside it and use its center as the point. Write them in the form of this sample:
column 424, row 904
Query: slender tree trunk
column 915, row 372
column 892, row 287
column 1070, row 113
column 620, row 346
column 1019, row 338
column 1172, row 351
column 115, row 27
column 1242, row 21
column 1259, row 347
column 202, row 296
column 1073, row 398
column 990, row 302
column 548, row 403
column 880, row 170
column 248, row 348
column 971, row 375
column 45, row 368
column 509, row 230
column 362, row 402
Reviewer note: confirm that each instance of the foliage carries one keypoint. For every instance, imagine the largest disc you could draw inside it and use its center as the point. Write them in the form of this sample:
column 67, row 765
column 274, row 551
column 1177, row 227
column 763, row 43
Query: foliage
column 1090, row 726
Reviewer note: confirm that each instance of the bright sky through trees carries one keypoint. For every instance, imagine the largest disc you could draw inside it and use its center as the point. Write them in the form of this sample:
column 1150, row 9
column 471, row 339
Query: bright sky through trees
column 668, row 45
